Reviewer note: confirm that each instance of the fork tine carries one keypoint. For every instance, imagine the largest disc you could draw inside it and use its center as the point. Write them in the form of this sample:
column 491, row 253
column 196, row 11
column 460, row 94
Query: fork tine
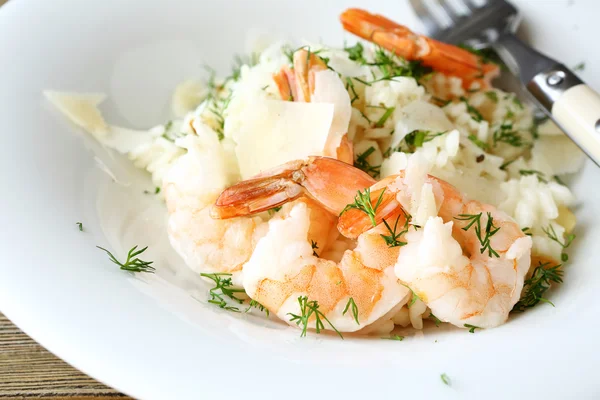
column 426, row 17
column 449, row 10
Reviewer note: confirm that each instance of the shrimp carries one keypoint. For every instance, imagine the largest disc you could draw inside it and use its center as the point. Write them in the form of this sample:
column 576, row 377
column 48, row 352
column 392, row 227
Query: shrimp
column 442, row 57
column 284, row 266
column 298, row 84
column 468, row 264
column 462, row 275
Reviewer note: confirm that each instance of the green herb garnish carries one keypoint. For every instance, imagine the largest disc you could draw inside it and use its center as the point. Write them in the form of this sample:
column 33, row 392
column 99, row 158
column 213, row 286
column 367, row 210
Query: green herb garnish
column 392, row 240
column 362, row 202
column 446, row 379
column 351, row 304
column 471, row 328
column 308, row 309
column 535, row 287
column 435, row 319
column 394, row 337
column 80, row 226
column 362, row 163
column 256, row 304
column 223, row 287
column 132, row 263
column 473, row 112
column 551, row 233
column 483, row 236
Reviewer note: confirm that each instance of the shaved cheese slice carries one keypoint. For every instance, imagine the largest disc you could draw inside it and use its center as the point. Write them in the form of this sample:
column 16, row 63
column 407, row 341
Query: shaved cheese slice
column 329, row 88
column 274, row 132
column 125, row 140
column 419, row 115
column 81, row 109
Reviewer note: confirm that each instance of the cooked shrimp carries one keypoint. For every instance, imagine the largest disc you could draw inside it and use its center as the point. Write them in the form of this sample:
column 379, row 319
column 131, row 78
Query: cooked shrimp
column 466, row 274
column 298, row 84
column 283, row 268
column 473, row 280
column 442, row 57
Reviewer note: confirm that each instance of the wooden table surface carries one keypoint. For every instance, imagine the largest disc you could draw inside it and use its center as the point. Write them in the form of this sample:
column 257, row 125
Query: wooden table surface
column 27, row 370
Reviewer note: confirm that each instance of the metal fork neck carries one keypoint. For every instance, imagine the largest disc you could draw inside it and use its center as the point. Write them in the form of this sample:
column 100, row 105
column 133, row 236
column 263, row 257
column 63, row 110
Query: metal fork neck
column 521, row 59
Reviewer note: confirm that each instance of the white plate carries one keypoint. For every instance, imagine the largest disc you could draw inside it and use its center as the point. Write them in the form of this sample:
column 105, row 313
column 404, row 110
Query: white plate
column 151, row 340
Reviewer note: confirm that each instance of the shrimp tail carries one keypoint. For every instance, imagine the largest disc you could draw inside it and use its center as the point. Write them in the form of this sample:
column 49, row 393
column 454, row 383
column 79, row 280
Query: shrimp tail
column 442, row 57
column 330, row 182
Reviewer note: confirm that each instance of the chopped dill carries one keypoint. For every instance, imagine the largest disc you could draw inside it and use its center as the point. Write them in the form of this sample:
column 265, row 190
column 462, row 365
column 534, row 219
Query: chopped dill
column 506, row 134
column 362, row 163
column 223, row 287
column 315, row 246
column 479, row 143
column 579, row 67
column 352, row 90
column 446, row 379
column 256, row 304
column 354, row 308
column 538, row 174
column 80, row 226
column 484, row 237
column 527, row 231
column 307, row 310
column 535, row 287
column 473, row 112
column 394, row 337
column 392, row 240
column 551, row 233
column 435, row 319
column 362, row 202
column 493, row 96
column 386, row 115
column 132, row 263
column 355, row 53
column 415, row 139
column 471, row 328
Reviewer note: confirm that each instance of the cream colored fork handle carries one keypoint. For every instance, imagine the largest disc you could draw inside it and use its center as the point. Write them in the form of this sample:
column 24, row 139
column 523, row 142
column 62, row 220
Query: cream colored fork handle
column 573, row 105
column 577, row 111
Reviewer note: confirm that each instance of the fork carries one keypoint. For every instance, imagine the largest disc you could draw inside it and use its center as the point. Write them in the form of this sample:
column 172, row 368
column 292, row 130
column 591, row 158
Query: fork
column 567, row 100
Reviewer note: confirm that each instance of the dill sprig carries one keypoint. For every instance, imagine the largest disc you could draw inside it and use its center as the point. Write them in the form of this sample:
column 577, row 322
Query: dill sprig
column 551, row 233
column 351, row 90
column 493, row 96
column 471, row 328
column 80, row 226
column 362, row 163
column 223, row 287
column 473, row 112
column 414, row 297
column 386, row 115
column 315, row 246
column 132, row 263
column 362, row 202
column 527, row 231
column 506, row 134
column 435, row 319
column 446, row 379
column 308, row 309
column 256, row 304
column 355, row 53
column 535, row 287
column 394, row 337
column 351, row 304
column 392, row 240
column 417, row 138
column 483, row 236
column 391, row 66
column 479, row 143
column 538, row 174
